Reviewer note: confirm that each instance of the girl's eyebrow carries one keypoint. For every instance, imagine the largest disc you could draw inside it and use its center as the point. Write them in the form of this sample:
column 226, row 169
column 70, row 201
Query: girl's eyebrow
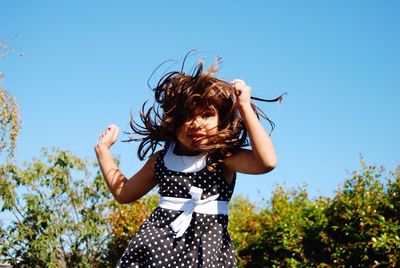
column 207, row 110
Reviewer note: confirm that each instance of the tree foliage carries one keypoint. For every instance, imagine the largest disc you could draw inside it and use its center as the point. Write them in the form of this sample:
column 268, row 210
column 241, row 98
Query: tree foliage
column 59, row 212
column 245, row 225
column 358, row 227
column 10, row 123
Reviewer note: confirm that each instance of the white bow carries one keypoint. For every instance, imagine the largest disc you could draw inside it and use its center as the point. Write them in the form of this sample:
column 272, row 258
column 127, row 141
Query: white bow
column 181, row 223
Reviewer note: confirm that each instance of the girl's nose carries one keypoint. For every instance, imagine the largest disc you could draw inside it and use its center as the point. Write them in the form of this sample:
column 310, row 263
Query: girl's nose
column 196, row 122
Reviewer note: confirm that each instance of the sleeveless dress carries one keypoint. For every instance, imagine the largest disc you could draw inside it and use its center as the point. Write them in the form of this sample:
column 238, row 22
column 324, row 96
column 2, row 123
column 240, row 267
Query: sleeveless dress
column 205, row 243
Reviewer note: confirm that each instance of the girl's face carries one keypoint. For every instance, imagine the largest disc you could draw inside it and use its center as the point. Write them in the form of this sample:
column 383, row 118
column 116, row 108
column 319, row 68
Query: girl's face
column 196, row 131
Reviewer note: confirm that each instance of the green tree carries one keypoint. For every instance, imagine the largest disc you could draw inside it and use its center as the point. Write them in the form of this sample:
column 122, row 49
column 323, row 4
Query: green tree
column 59, row 212
column 358, row 227
column 245, row 225
column 279, row 241
column 10, row 123
column 364, row 221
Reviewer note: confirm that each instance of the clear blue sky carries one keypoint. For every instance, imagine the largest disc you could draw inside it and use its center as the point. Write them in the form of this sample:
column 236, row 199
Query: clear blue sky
column 85, row 64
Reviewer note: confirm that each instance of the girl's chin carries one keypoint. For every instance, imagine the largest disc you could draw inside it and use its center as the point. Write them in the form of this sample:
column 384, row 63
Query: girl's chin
column 200, row 146
column 198, row 143
column 199, row 140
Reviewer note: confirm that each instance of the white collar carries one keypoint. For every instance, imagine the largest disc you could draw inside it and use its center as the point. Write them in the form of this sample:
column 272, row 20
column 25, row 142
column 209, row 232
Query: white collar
column 184, row 163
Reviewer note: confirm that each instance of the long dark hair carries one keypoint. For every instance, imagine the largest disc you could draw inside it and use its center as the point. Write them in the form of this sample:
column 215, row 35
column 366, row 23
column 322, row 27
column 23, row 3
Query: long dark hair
column 176, row 95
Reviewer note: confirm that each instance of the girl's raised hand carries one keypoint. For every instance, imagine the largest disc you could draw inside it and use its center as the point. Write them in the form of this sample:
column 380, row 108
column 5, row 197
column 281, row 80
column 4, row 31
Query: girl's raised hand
column 243, row 92
column 109, row 136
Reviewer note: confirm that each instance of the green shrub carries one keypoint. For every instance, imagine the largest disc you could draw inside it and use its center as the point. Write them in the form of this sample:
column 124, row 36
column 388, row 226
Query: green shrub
column 358, row 227
column 58, row 211
column 363, row 227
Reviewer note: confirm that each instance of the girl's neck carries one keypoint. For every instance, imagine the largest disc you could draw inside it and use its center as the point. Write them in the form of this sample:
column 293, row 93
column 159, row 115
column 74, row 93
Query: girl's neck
column 185, row 151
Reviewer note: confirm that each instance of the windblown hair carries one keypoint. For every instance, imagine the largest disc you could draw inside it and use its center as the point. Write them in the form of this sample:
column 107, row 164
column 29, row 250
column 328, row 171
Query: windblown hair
column 177, row 96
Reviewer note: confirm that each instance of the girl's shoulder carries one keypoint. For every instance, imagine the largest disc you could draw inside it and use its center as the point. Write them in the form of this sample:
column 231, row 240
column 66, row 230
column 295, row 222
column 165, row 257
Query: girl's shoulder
column 237, row 160
column 154, row 158
column 159, row 155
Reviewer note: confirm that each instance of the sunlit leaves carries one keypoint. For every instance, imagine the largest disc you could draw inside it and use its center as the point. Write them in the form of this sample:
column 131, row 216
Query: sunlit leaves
column 358, row 227
column 9, row 122
column 59, row 211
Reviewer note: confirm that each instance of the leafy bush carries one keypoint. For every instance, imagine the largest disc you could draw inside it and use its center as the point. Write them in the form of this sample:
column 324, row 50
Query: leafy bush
column 363, row 227
column 358, row 227
column 245, row 225
column 59, row 212
column 280, row 241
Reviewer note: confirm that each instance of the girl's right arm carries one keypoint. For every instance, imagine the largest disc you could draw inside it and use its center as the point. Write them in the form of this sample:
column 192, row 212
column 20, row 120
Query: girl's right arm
column 123, row 190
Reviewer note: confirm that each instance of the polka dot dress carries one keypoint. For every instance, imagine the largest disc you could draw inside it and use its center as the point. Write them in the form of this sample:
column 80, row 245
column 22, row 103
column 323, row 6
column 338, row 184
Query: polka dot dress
column 206, row 243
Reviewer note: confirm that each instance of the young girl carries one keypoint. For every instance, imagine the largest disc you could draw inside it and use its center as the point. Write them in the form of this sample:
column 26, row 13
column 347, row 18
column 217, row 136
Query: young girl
column 203, row 123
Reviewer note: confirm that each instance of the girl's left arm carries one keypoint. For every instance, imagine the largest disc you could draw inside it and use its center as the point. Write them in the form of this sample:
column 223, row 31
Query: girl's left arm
column 261, row 158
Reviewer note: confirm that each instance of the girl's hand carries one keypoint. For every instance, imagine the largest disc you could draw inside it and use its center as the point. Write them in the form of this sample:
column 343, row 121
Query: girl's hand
column 108, row 137
column 243, row 92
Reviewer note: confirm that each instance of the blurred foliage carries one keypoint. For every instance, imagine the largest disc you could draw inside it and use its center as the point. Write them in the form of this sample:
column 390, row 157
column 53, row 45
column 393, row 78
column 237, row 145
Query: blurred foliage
column 245, row 225
column 358, row 227
column 10, row 123
column 58, row 210
column 363, row 220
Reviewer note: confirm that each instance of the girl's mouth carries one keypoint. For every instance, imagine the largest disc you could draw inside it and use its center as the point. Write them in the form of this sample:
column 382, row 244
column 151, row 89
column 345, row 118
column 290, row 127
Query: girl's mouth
column 197, row 137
